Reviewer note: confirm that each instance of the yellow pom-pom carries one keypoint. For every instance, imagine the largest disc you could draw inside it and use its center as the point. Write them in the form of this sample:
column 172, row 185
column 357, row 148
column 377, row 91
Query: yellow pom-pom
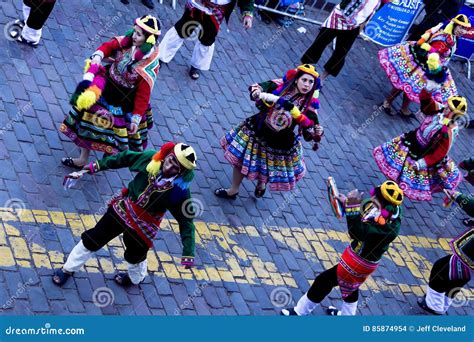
column 433, row 61
column 426, row 46
column 295, row 112
column 153, row 167
column 151, row 39
column 87, row 65
column 86, row 100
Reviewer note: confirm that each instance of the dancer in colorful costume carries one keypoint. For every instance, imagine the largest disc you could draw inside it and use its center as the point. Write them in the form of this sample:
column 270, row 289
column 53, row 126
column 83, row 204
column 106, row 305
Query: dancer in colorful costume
column 373, row 224
column 265, row 147
column 207, row 17
column 418, row 160
column 161, row 184
column 111, row 107
column 450, row 273
column 409, row 65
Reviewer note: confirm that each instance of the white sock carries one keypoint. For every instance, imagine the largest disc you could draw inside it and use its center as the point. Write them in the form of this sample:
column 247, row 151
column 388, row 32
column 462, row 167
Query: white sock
column 137, row 272
column 435, row 300
column 305, row 306
column 78, row 257
column 169, row 45
column 348, row 309
column 447, row 303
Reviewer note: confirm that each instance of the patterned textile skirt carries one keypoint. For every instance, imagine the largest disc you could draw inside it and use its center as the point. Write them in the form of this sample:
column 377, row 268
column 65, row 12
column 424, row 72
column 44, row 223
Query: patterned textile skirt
column 103, row 128
column 352, row 271
column 407, row 75
column 396, row 164
column 256, row 160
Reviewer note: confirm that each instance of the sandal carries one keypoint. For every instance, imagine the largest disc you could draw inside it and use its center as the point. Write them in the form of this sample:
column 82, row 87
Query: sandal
column 422, row 304
column 259, row 192
column 408, row 115
column 123, row 279
column 70, row 163
column 194, row 73
column 62, row 277
column 468, row 222
column 222, row 193
column 387, row 108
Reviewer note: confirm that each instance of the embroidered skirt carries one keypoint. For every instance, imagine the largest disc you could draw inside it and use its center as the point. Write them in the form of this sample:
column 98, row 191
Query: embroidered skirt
column 395, row 163
column 103, row 128
column 406, row 74
column 280, row 168
column 352, row 271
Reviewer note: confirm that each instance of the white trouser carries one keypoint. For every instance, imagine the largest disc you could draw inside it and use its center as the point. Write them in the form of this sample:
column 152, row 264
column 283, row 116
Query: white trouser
column 169, row 45
column 28, row 33
column 137, row 272
column 78, row 257
column 435, row 300
column 305, row 306
column 348, row 309
column 202, row 55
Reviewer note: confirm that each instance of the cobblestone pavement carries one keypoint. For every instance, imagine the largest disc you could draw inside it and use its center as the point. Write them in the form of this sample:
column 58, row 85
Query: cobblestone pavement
column 253, row 256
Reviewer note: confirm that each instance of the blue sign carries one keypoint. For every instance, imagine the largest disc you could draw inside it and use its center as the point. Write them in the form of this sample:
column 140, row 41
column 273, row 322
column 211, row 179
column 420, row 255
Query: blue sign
column 390, row 24
column 465, row 46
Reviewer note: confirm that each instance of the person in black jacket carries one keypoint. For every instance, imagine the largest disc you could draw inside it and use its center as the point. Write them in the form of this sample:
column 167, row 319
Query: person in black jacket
column 437, row 11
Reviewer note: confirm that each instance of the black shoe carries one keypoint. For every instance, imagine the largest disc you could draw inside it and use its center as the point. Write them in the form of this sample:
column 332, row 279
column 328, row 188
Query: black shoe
column 194, row 73
column 468, row 222
column 148, row 3
column 222, row 193
column 422, row 304
column 332, row 311
column 288, row 312
column 125, row 2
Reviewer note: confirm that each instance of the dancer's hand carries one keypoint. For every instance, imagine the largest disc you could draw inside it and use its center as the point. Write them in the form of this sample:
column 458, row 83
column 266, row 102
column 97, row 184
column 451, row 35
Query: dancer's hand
column 133, row 129
column 96, row 60
column 354, row 197
column 247, row 21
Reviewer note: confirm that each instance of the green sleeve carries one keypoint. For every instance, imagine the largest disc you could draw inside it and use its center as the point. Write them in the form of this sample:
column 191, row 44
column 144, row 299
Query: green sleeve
column 268, row 86
column 246, row 6
column 135, row 161
column 186, row 227
column 466, row 203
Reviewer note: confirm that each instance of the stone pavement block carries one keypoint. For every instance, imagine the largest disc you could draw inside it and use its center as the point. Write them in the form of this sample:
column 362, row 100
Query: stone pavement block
column 66, row 239
column 52, row 291
column 239, row 304
column 151, row 296
column 162, row 286
column 211, row 297
column 37, row 299
column 119, row 294
column 170, row 306
column 84, row 288
column 263, row 297
column 139, row 305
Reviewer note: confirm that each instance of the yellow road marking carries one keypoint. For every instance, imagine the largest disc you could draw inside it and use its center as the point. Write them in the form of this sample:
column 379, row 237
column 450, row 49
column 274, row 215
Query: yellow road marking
column 242, row 265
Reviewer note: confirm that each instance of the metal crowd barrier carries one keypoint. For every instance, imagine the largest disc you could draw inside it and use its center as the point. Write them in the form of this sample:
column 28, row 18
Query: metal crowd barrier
column 310, row 11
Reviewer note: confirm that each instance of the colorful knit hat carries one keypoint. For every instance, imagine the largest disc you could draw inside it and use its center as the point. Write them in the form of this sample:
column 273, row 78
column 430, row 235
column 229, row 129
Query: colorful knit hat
column 460, row 20
column 185, row 155
column 151, row 28
column 308, row 69
column 457, row 104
